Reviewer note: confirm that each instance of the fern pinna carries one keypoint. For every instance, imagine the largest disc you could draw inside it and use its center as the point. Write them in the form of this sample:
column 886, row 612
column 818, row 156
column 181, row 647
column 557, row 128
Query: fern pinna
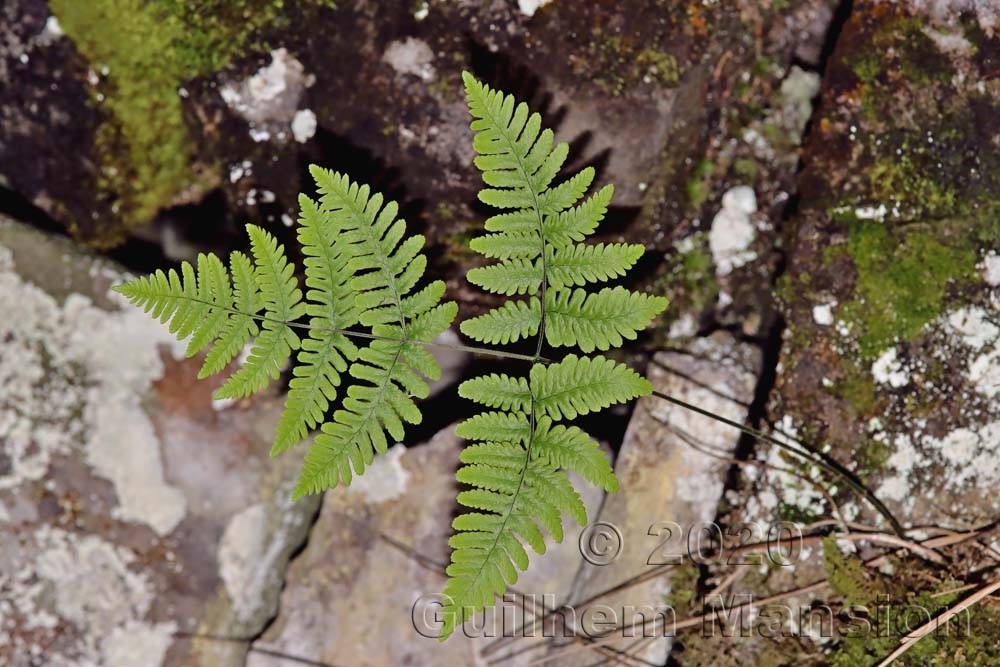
column 518, row 470
column 361, row 276
column 358, row 270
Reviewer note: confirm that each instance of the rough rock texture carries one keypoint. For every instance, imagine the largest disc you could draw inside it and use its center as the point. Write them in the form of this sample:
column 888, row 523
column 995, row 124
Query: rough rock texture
column 655, row 93
column 892, row 352
column 889, row 358
column 365, row 589
column 135, row 512
column 672, row 480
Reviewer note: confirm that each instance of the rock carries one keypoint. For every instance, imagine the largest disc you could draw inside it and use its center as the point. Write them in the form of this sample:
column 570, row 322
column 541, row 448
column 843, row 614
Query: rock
column 671, row 479
column 638, row 87
column 891, row 355
column 135, row 513
column 365, row 589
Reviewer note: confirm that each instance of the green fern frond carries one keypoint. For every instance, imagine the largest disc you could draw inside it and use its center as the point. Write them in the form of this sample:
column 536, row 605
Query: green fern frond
column 580, row 385
column 565, row 267
column 571, row 448
column 565, row 390
column 509, row 323
column 588, row 320
column 519, row 473
column 384, row 268
column 361, row 281
column 360, row 268
column 240, row 327
column 513, row 496
column 579, row 222
column 281, row 296
column 582, row 264
column 598, row 320
column 205, row 307
column 325, row 352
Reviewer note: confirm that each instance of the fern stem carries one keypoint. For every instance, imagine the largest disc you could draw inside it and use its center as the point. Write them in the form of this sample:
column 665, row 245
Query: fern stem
column 367, row 336
column 821, row 459
column 499, row 122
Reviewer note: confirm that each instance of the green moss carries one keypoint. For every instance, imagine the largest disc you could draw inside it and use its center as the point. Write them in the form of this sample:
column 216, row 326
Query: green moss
column 903, row 277
column 871, row 457
column 697, row 186
column 689, row 282
column 859, row 389
column 900, row 179
column 896, row 604
column 149, row 49
column 745, row 169
column 899, row 47
column 618, row 63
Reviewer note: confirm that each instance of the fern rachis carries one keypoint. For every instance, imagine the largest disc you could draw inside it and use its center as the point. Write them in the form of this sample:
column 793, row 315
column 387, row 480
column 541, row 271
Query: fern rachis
column 520, row 444
column 365, row 324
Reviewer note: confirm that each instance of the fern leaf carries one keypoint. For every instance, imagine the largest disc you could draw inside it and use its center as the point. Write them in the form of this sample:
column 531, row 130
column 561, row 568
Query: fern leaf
column 275, row 277
column 498, row 391
column 325, row 353
column 600, row 320
column 501, row 426
column 509, row 323
column 577, row 265
column 213, row 288
column 579, row 222
column 384, row 267
column 517, row 276
column 241, row 326
column 518, row 474
column 570, row 448
column 512, row 497
column 508, row 245
column 564, row 195
column 576, row 386
column 204, row 306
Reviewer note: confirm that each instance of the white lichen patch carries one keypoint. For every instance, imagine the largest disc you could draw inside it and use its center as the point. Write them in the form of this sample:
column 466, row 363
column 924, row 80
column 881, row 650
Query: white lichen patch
column 876, row 213
column 732, row 231
column 966, row 457
column 949, row 12
column 823, row 314
column 268, row 100
column 410, row 56
column 973, row 328
column 88, row 584
column 137, row 644
column 304, row 125
column 991, row 269
column 788, row 474
column 242, row 544
column 888, row 369
column 74, row 377
column 798, row 90
column 529, row 7
column 385, row 479
column 250, row 557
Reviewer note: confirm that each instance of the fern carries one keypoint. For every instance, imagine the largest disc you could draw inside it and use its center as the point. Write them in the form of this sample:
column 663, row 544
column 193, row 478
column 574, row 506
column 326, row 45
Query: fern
column 363, row 322
column 518, row 472
column 358, row 271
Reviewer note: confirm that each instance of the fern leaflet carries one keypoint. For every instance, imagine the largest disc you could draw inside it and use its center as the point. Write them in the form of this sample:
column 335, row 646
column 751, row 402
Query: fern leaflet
column 518, row 473
column 385, row 269
column 359, row 269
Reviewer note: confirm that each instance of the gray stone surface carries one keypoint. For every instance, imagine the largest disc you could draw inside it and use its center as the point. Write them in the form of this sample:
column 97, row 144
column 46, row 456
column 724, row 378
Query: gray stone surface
column 364, row 590
column 672, row 478
column 134, row 511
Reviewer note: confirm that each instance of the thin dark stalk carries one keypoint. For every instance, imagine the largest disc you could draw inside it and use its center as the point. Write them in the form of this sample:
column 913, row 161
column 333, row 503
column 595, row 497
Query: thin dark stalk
column 821, row 459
